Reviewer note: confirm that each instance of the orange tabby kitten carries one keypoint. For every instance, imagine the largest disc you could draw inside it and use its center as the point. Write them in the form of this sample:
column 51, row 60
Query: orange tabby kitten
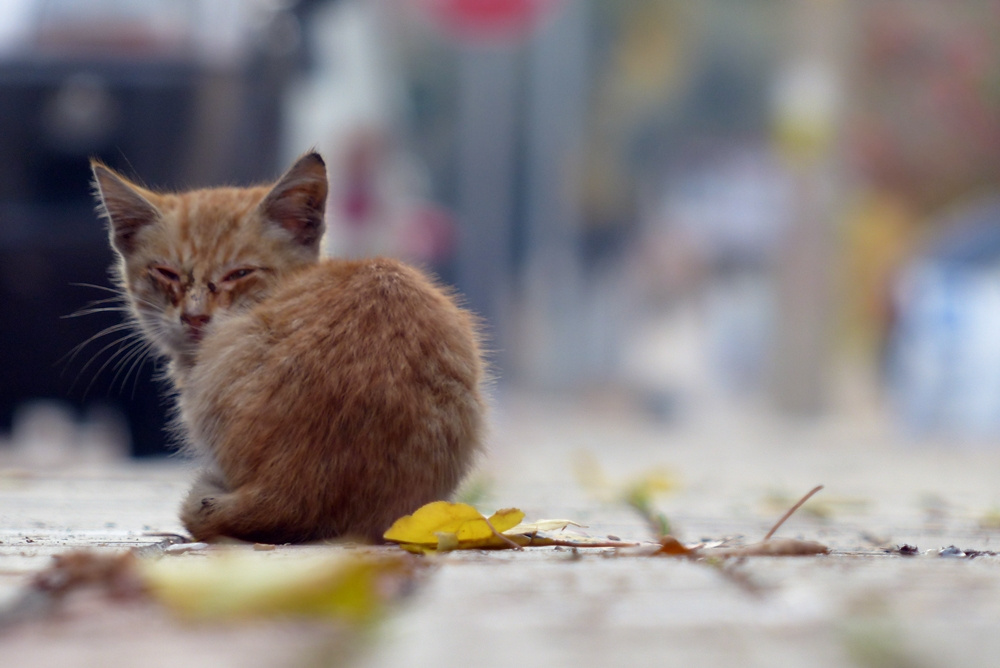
column 327, row 397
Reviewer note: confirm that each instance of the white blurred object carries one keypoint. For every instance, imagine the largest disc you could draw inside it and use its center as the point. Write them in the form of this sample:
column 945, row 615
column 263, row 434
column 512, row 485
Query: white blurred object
column 944, row 371
column 349, row 107
column 219, row 32
column 946, row 363
column 46, row 434
column 733, row 212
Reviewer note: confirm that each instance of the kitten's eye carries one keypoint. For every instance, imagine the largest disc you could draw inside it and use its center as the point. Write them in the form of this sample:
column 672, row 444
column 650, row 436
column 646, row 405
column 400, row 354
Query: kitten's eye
column 237, row 274
column 167, row 274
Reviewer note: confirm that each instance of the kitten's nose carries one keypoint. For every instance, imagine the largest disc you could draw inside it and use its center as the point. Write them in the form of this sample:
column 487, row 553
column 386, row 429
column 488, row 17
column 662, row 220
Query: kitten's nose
column 195, row 322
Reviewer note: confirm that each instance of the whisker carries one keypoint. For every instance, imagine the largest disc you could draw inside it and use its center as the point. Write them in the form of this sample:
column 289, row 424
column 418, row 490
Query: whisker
column 93, row 358
column 68, row 358
column 116, row 298
column 145, row 350
column 134, row 371
column 97, row 287
column 118, row 292
column 135, row 345
column 119, row 298
column 88, row 310
column 111, row 358
column 137, row 352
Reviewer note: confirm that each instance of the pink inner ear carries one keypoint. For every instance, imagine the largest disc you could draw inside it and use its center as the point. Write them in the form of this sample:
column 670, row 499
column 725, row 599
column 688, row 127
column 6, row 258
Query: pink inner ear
column 299, row 214
column 298, row 202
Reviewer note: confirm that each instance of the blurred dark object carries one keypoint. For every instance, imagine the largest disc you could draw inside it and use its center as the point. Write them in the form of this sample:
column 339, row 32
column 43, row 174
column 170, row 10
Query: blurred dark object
column 164, row 91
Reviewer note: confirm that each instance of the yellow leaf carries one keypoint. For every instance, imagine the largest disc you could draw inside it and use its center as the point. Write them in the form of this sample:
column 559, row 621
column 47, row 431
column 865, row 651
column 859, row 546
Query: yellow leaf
column 422, row 527
column 506, row 519
column 249, row 584
column 444, row 526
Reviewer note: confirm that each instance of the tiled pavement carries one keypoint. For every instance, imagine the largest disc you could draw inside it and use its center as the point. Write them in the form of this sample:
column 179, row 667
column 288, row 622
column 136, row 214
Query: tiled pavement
column 735, row 473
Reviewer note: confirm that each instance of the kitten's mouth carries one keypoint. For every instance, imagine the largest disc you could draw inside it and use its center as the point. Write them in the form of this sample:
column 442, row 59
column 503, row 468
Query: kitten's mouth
column 194, row 327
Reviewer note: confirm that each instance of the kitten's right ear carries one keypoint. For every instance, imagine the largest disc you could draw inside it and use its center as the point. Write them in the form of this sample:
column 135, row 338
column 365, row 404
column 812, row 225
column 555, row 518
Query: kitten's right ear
column 297, row 202
column 123, row 205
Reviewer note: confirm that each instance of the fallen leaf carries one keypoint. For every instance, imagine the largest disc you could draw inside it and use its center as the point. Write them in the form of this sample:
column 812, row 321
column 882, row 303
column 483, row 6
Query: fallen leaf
column 775, row 547
column 240, row 584
column 542, row 525
column 667, row 545
column 504, row 520
column 591, row 476
column 114, row 573
column 673, row 547
column 443, row 526
column 225, row 583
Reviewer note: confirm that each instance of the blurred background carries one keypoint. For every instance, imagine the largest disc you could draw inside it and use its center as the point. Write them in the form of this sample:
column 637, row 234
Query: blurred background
column 676, row 206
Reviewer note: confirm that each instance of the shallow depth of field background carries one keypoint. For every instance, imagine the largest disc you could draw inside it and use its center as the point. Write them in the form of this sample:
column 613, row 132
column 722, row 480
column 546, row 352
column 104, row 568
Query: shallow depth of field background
column 679, row 207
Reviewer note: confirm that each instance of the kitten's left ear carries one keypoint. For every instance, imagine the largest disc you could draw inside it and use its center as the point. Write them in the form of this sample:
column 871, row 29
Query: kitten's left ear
column 297, row 202
column 124, row 205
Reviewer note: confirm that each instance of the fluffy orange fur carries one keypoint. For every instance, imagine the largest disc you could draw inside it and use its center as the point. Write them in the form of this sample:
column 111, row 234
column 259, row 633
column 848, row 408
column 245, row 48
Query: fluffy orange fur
column 325, row 397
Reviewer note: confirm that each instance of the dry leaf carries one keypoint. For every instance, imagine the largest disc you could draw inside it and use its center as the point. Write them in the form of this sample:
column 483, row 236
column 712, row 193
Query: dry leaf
column 527, row 528
column 775, row 547
column 443, row 526
column 114, row 573
column 590, row 475
column 673, row 547
column 228, row 585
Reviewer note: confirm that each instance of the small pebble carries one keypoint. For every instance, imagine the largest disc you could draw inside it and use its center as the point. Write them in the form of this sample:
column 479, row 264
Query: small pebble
column 611, row 536
column 951, row 551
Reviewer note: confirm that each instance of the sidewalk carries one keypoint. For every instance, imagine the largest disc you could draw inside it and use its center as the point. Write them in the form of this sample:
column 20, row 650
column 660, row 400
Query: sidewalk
column 735, row 475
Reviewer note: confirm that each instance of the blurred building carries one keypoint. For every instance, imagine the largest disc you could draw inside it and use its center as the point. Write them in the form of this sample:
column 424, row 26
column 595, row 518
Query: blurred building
column 180, row 93
column 690, row 201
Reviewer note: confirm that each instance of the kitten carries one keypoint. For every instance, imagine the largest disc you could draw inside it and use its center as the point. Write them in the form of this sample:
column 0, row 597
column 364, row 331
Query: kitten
column 327, row 397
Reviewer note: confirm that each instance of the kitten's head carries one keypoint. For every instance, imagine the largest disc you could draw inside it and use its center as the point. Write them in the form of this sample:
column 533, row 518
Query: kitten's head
column 188, row 260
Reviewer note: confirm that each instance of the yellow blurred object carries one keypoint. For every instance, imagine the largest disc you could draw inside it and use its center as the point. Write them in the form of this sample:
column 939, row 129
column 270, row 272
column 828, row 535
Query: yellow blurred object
column 880, row 235
column 236, row 584
column 442, row 526
column 595, row 481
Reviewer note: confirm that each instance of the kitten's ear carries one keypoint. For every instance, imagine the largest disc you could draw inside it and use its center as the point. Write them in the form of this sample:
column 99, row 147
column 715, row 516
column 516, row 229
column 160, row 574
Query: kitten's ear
column 123, row 205
column 297, row 202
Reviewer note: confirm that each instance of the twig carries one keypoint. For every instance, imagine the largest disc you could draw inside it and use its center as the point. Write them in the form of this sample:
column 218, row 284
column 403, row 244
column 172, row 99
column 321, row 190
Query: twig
column 792, row 510
column 501, row 536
